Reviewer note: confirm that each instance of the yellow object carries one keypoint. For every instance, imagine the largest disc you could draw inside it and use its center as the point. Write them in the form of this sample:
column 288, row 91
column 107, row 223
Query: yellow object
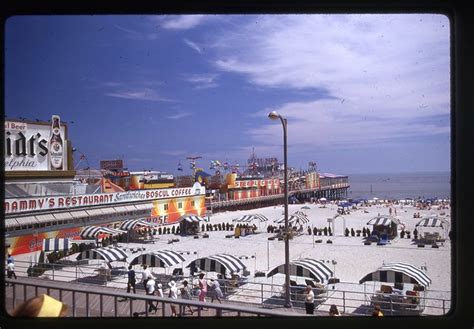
column 51, row 307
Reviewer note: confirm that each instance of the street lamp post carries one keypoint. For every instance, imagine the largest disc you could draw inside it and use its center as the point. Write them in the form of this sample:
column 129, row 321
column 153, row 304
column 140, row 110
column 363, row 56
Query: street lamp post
column 274, row 116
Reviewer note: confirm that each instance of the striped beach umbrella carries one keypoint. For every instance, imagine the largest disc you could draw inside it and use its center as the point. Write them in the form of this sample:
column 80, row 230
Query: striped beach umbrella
column 109, row 254
column 249, row 218
column 130, row 224
column 162, row 258
column 91, row 232
column 306, row 268
column 55, row 244
column 398, row 273
column 218, row 263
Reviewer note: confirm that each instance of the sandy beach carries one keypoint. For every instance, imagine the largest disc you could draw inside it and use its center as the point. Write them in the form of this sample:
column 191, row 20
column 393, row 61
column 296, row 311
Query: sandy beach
column 353, row 259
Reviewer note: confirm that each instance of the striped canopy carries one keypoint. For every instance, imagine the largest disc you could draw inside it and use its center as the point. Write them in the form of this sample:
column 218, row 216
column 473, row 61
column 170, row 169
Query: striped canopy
column 398, row 273
column 218, row 263
column 192, row 218
column 55, row 244
column 298, row 212
column 432, row 222
column 162, row 258
column 109, row 254
column 383, row 220
column 249, row 218
column 306, row 267
column 132, row 223
column 89, row 232
column 293, row 219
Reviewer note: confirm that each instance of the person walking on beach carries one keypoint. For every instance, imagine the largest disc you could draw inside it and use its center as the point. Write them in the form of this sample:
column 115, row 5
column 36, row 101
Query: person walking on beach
column 309, row 300
column 11, row 270
column 333, row 311
column 173, row 294
column 202, row 288
column 150, row 291
column 377, row 311
column 216, row 291
column 131, row 279
column 186, row 294
column 158, row 292
column 145, row 274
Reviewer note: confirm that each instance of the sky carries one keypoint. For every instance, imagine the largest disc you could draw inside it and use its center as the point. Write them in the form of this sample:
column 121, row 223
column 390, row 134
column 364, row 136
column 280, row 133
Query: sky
column 362, row 93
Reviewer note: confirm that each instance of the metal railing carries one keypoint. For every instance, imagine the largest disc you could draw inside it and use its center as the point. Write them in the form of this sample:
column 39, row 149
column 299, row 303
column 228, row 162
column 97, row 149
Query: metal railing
column 261, row 294
column 83, row 301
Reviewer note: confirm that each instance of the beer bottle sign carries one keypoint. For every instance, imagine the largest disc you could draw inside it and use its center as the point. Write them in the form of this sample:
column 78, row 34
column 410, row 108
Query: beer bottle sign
column 56, row 149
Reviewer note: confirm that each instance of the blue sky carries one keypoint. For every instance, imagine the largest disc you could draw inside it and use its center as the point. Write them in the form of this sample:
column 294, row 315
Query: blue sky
column 362, row 93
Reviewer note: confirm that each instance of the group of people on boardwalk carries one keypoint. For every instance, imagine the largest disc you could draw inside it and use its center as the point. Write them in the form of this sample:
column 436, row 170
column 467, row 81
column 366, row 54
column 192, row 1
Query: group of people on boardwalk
column 153, row 288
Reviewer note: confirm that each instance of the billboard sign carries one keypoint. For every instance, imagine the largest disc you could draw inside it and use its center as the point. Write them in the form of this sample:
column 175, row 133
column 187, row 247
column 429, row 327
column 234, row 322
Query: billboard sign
column 35, row 146
column 111, row 164
column 19, row 205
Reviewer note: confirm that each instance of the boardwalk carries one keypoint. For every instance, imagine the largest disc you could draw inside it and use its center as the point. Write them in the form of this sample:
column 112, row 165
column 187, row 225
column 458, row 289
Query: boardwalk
column 90, row 303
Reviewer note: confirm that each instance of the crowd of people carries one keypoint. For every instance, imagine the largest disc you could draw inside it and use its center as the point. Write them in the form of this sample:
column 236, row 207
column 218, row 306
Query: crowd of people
column 154, row 288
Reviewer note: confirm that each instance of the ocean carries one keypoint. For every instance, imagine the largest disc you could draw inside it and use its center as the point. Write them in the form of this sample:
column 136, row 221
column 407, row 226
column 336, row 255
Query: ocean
column 400, row 185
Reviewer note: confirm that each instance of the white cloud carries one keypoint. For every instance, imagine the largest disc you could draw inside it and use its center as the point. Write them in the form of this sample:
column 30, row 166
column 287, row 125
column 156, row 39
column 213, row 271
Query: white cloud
column 325, row 123
column 385, row 72
column 202, row 81
column 181, row 22
column 145, row 94
column 137, row 35
column 179, row 115
column 193, row 45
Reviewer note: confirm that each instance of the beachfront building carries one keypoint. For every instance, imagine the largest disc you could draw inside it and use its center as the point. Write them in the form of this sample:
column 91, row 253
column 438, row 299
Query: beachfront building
column 44, row 198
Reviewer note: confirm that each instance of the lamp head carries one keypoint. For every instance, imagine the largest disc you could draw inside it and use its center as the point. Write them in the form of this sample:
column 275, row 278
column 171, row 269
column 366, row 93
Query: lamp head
column 273, row 115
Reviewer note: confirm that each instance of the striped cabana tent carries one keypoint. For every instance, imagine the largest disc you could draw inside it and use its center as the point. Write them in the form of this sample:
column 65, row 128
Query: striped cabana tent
column 56, row 244
column 162, row 258
column 432, row 221
column 130, row 224
column 293, row 219
column 398, row 273
column 385, row 223
column 91, row 232
column 306, row 268
column 250, row 218
column 192, row 219
column 189, row 224
column 109, row 254
column 299, row 212
column 218, row 263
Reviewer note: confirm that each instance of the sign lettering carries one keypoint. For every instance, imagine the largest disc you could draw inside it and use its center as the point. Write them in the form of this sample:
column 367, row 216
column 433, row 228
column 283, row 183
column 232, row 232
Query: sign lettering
column 18, row 205
column 27, row 146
